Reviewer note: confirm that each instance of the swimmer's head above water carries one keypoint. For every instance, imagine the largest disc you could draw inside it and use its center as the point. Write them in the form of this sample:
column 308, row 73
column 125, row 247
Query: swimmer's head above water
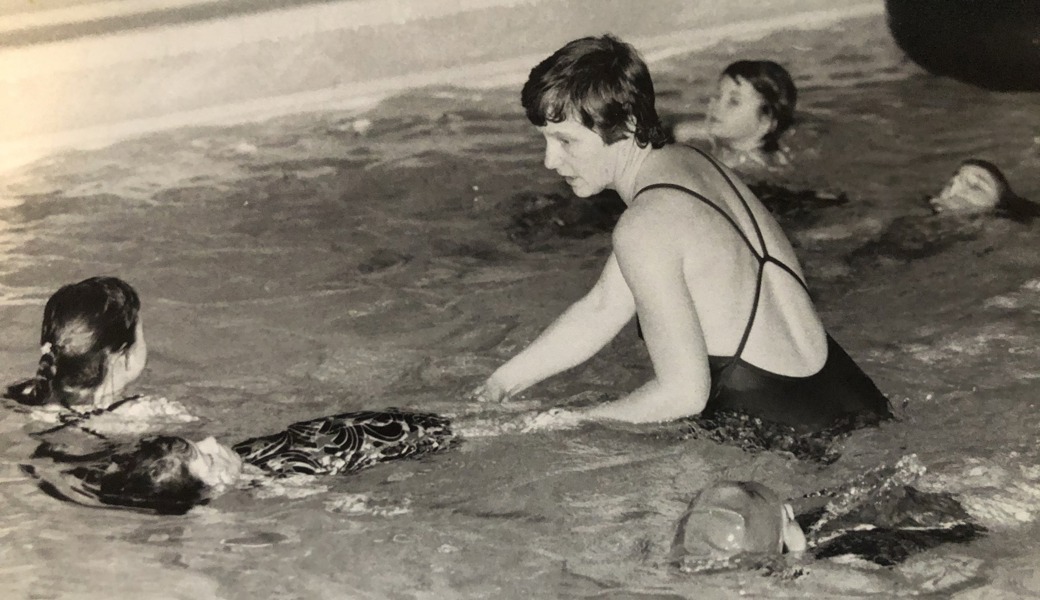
column 733, row 518
column 753, row 107
column 978, row 186
column 91, row 345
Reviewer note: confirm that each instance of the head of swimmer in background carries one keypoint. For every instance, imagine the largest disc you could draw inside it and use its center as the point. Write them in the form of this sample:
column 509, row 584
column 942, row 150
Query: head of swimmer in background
column 732, row 518
column 979, row 186
column 168, row 474
column 91, row 344
column 754, row 105
column 588, row 98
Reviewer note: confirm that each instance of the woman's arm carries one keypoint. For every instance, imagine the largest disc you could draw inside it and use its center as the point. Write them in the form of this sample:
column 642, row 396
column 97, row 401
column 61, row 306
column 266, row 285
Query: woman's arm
column 574, row 337
column 648, row 245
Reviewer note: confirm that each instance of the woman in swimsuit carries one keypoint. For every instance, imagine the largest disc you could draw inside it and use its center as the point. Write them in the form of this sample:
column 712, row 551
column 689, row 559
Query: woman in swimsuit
column 720, row 295
column 753, row 107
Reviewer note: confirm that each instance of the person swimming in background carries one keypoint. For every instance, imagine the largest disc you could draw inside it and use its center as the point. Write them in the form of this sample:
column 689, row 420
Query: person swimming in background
column 92, row 346
column 170, row 474
column 979, row 186
column 977, row 189
column 728, row 321
column 753, row 107
column 880, row 517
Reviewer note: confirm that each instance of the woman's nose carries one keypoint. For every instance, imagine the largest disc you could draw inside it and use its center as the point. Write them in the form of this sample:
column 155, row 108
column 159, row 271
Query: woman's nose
column 552, row 158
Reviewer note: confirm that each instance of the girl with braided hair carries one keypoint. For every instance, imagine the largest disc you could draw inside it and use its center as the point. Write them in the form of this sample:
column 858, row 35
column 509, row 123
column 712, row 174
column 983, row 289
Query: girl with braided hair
column 91, row 346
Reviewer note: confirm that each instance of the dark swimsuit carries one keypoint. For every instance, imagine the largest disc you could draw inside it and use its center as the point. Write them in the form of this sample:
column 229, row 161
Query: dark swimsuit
column 838, row 393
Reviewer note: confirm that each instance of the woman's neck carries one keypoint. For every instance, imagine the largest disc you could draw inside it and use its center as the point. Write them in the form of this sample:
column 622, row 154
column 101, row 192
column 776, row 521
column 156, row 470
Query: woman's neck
column 628, row 171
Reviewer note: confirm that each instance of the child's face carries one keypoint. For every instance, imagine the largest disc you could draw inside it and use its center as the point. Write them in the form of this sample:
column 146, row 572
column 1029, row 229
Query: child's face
column 213, row 463
column 735, row 114
column 972, row 189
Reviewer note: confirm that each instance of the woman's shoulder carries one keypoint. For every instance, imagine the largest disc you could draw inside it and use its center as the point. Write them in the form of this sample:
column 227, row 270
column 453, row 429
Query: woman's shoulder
column 682, row 174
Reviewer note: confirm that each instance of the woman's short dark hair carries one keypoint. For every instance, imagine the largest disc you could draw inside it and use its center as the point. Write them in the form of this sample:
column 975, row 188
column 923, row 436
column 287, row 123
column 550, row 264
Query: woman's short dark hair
column 84, row 323
column 779, row 95
column 601, row 81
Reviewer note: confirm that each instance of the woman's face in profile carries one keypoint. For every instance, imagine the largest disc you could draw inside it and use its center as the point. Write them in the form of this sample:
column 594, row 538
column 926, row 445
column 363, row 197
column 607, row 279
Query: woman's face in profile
column 972, row 189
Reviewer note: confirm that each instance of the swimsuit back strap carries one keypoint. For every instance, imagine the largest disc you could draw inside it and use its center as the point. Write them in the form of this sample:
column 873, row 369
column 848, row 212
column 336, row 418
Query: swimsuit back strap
column 763, row 257
column 743, row 200
column 718, row 209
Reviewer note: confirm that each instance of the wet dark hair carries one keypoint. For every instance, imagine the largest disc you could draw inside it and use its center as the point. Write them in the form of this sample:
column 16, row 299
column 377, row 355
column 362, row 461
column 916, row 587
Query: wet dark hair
column 83, row 324
column 601, row 81
column 153, row 475
column 1009, row 204
column 779, row 95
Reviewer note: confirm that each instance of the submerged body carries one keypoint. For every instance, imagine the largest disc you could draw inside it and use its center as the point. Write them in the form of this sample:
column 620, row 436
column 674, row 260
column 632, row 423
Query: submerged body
column 965, row 206
column 170, row 474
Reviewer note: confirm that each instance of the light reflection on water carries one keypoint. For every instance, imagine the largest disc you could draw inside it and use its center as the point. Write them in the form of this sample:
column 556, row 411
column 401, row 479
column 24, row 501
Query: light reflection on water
column 312, row 265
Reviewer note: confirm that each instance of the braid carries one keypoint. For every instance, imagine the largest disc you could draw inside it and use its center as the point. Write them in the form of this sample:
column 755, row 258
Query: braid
column 46, row 374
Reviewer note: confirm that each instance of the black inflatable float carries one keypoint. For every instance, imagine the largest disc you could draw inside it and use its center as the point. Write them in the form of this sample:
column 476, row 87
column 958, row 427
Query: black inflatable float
column 993, row 44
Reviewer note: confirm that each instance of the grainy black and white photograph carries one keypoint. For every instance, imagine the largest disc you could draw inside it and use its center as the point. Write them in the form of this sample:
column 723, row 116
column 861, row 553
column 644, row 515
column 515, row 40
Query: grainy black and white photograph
column 519, row 299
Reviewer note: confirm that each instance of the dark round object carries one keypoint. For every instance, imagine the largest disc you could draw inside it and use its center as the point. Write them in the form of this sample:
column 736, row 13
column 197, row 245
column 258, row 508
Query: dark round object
column 994, row 44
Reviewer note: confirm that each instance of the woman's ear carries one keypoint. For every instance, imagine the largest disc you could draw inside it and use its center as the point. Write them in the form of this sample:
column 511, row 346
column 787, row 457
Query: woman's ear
column 792, row 535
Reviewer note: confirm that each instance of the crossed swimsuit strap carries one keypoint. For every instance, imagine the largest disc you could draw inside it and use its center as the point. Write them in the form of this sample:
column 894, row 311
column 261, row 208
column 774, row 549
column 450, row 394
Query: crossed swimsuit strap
column 763, row 256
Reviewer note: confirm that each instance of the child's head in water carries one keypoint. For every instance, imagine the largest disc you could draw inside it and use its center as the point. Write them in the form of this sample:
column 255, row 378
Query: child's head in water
column 168, row 473
column 978, row 186
column 91, row 344
column 754, row 106
column 732, row 518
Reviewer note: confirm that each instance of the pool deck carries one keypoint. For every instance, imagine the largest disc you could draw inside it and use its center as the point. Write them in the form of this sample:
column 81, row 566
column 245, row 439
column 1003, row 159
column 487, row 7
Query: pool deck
column 83, row 74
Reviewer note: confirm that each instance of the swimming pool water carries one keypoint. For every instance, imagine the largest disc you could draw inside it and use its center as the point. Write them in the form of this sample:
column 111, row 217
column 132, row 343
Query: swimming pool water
column 329, row 262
